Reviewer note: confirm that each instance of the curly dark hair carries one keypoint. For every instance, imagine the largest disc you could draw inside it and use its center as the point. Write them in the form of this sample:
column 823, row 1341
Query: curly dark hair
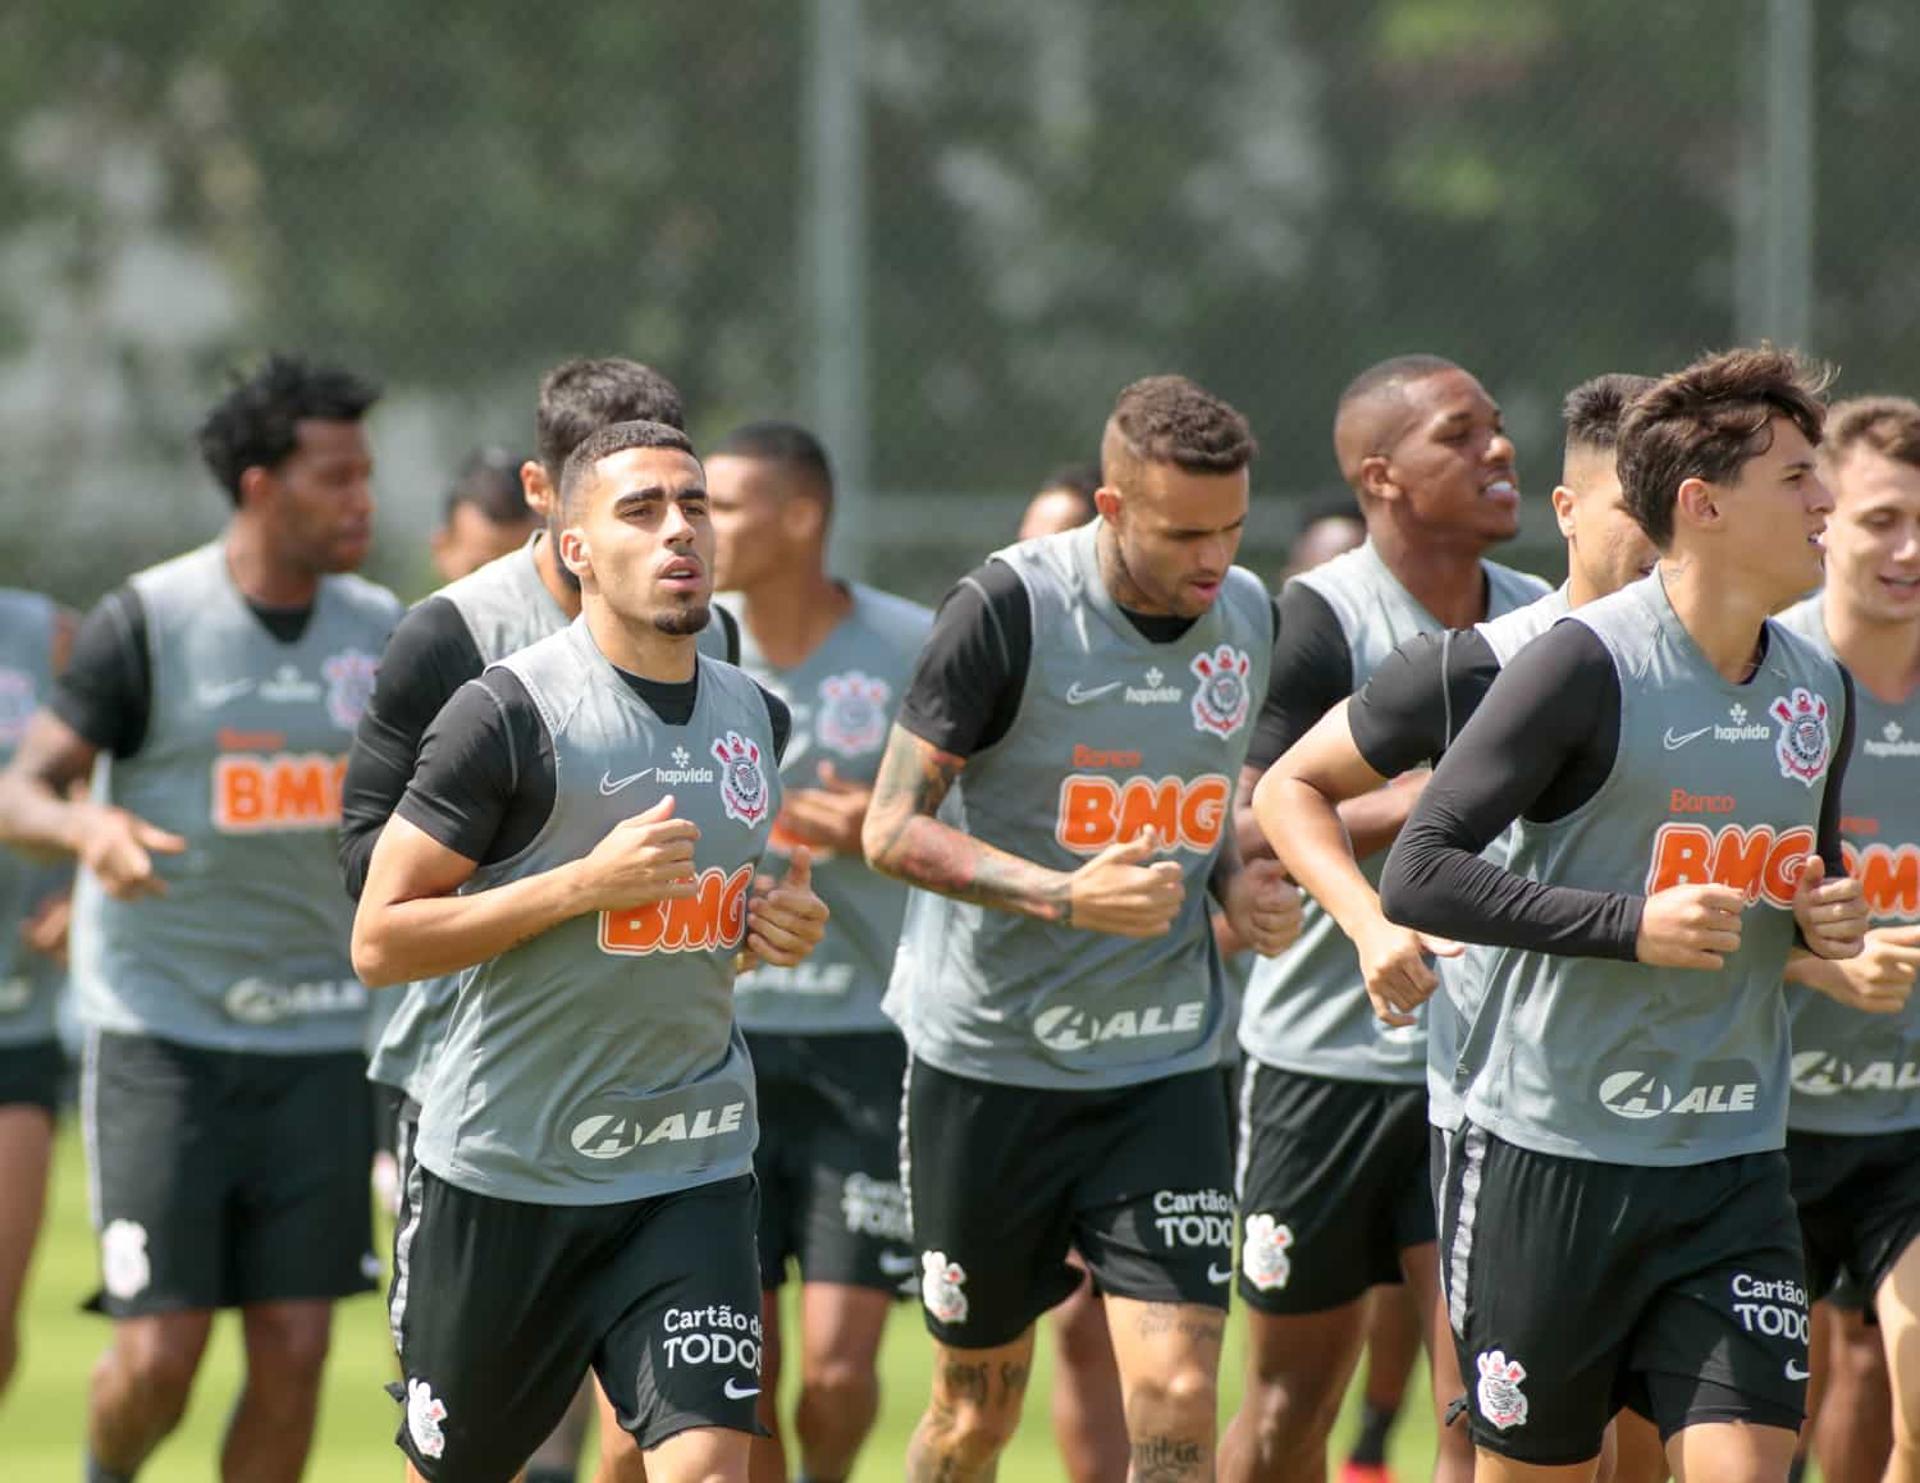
column 1170, row 419
column 579, row 397
column 1706, row 422
column 252, row 426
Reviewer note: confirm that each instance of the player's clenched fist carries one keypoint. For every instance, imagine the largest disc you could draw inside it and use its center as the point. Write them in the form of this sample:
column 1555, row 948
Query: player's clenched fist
column 1880, row 979
column 648, row 857
column 1117, row 891
column 1395, row 970
column 119, row 848
column 1832, row 913
column 1690, row 927
column 1263, row 906
column 786, row 923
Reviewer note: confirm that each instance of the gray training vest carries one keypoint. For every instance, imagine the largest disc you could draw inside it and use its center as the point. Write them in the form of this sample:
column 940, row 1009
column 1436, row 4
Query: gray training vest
column 29, row 981
column 1307, row 1010
column 1113, row 733
column 244, row 752
column 505, row 606
column 1455, row 1042
column 1854, row 1072
column 843, row 697
column 599, row 1062
column 1595, row 1058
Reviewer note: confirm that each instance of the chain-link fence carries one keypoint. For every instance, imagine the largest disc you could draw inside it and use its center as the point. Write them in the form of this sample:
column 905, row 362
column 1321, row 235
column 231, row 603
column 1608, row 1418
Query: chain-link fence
column 946, row 233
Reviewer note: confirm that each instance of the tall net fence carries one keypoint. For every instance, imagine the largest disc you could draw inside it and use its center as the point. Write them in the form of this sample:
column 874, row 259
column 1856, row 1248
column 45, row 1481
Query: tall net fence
column 945, row 233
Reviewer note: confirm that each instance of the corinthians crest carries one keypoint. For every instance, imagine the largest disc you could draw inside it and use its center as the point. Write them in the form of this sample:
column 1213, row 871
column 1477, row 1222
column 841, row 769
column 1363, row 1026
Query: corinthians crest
column 349, row 677
column 743, row 785
column 853, row 713
column 1803, row 744
column 1220, row 702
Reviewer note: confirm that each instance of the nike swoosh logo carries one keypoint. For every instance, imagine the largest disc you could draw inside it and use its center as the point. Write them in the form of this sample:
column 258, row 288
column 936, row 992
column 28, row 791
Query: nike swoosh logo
column 1798, row 1371
column 612, row 785
column 1078, row 696
column 1219, row 1276
column 895, row 1264
column 739, row 1392
column 1674, row 743
column 213, row 696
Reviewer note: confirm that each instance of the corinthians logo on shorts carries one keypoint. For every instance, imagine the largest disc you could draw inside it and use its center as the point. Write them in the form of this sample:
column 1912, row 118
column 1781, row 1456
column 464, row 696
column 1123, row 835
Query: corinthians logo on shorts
column 743, row 786
column 1803, row 744
column 1220, row 702
column 853, row 713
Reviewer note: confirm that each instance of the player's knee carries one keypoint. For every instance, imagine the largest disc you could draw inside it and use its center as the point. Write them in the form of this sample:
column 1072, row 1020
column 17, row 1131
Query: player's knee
column 839, row 1384
column 972, row 1436
column 292, row 1352
column 1188, row 1393
column 159, row 1367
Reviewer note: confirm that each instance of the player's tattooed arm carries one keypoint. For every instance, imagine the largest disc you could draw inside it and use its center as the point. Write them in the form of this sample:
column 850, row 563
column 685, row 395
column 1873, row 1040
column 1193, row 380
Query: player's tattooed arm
column 903, row 838
column 43, row 812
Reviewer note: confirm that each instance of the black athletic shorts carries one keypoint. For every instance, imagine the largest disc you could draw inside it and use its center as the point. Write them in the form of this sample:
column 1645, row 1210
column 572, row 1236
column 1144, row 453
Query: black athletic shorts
column 1333, row 1187
column 1576, row 1287
column 1003, row 1180
column 387, row 1103
column 500, row 1306
column 31, row 1074
column 829, row 1160
column 224, row 1178
column 1859, row 1199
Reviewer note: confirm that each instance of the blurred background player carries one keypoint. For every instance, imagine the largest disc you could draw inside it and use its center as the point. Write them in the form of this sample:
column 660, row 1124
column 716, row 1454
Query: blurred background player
column 1854, row 1122
column 827, row 1061
column 226, row 1119
column 35, row 637
column 1334, row 1198
column 486, row 514
column 1331, row 528
column 582, row 1192
column 445, row 640
column 1064, row 501
column 1082, row 706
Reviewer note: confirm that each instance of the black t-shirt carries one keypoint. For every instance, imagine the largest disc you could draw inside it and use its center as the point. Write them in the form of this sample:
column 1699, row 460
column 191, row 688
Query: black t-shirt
column 966, row 685
column 1312, row 673
column 106, row 691
column 485, row 781
column 1544, row 752
column 1413, row 706
column 430, row 656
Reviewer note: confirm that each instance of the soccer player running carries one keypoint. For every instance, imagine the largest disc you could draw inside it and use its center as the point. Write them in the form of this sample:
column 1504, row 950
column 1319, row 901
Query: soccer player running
column 443, row 641
column 486, row 515
column 1061, row 776
column 35, row 638
column 827, row 1062
column 1403, row 718
column 1854, row 1121
column 1617, row 1223
column 225, row 1113
column 579, row 843
column 1333, row 1144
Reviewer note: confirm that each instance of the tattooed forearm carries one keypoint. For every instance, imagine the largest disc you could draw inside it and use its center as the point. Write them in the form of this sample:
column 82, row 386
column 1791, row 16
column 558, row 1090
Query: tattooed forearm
column 903, row 839
column 1166, row 1459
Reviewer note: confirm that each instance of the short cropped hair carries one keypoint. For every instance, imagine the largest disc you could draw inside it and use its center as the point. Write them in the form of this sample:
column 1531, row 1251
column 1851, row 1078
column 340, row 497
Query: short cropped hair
column 252, row 426
column 1593, row 410
column 1706, row 422
column 788, row 446
column 608, row 441
column 579, row 397
column 1170, row 419
column 1888, row 425
column 490, row 481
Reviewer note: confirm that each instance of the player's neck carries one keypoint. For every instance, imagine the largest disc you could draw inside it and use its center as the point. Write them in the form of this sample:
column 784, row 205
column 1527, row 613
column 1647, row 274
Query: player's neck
column 260, row 575
column 1444, row 577
column 790, row 614
column 546, row 561
column 639, row 648
column 1720, row 613
column 1884, row 657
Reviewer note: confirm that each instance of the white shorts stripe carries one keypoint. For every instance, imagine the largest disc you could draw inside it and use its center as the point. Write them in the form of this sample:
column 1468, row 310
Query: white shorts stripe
column 90, row 1123
column 1473, row 1156
column 1244, row 1154
column 404, row 1135
column 906, row 1150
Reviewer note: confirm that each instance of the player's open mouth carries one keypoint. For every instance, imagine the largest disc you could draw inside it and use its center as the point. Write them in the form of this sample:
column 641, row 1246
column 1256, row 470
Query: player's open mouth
column 1205, row 586
column 1502, row 491
column 1902, row 586
column 683, row 573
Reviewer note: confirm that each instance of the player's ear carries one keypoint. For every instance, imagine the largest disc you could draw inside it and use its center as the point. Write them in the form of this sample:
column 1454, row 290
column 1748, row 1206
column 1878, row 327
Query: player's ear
column 1108, row 500
column 1376, row 478
column 538, row 489
column 575, row 554
column 1696, row 502
column 1564, row 500
column 258, row 485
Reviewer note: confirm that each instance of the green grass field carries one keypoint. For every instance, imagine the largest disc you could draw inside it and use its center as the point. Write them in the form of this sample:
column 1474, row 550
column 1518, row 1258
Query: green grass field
column 42, row 1418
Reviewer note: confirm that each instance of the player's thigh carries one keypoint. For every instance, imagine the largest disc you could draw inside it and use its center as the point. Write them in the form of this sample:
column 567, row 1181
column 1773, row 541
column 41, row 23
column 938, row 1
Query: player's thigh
column 26, row 1154
column 1897, row 1305
column 684, row 1351
column 852, row 1223
column 1731, row 1452
column 699, row 1455
column 163, row 1153
column 989, row 1172
column 1333, row 1185
column 841, row 1326
column 303, row 1209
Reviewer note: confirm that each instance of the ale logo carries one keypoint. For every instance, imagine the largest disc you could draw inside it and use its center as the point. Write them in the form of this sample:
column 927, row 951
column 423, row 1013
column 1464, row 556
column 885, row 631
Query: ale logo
column 254, row 791
column 1763, row 864
column 1096, row 811
column 712, row 919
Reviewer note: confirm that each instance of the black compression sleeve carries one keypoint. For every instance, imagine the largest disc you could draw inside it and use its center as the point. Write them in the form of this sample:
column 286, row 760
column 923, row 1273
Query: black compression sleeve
column 1420, row 698
column 967, row 683
column 106, row 691
column 429, row 657
column 1831, row 802
column 1528, row 750
column 484, row 786
column 1312, row 673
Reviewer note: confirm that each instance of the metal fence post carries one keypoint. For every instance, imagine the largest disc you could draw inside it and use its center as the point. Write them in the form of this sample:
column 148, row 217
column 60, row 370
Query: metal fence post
column 1773, row 291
